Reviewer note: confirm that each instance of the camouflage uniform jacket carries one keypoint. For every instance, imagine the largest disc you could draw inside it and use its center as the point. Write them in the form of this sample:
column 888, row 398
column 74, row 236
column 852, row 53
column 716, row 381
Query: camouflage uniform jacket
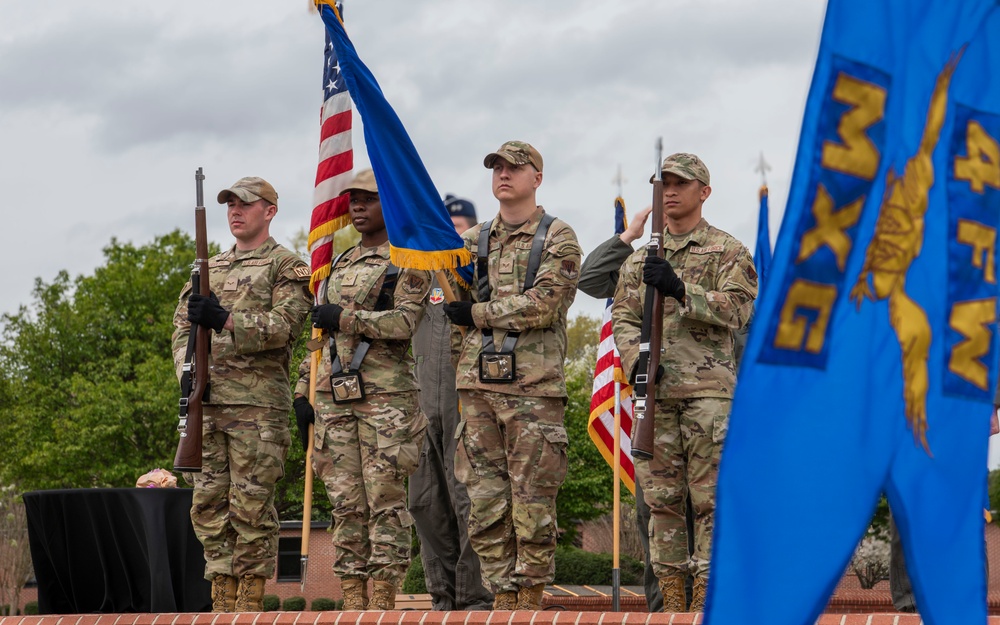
column 355, row 283
column 539, row 313
column 267, row 292
column 720, row 285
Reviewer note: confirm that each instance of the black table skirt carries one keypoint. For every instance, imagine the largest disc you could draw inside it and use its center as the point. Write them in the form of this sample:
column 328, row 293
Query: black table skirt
column 114, row 550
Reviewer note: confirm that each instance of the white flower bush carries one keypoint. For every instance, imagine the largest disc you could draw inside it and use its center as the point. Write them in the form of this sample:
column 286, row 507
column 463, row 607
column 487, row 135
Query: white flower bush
column 871, row 560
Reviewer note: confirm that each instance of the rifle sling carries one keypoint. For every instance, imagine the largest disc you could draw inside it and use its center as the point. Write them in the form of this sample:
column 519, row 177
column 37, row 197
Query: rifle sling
column 483, row 268
column 641, row 382
column 186, row 380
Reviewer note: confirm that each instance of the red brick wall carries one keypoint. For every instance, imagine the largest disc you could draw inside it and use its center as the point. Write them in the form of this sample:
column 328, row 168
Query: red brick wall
column 431, row 618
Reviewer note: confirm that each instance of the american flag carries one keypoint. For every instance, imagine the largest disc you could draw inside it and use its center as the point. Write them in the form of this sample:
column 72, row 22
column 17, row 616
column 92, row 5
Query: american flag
column 336, row 160
column 602, row 402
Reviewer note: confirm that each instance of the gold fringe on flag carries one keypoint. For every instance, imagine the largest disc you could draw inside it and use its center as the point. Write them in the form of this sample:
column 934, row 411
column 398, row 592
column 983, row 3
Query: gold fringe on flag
column 318, row 276
column 327, row 229
column 432, row 261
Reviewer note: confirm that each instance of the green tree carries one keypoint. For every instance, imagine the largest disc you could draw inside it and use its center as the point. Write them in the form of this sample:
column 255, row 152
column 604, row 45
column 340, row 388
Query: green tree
column 582, row 333
column 88, row 380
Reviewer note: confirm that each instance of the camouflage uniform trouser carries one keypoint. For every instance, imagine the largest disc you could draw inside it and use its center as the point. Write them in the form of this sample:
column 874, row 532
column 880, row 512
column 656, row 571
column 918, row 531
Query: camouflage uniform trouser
column 512, row 460
column 243, row 457
column 363, row 452
column 688, row 441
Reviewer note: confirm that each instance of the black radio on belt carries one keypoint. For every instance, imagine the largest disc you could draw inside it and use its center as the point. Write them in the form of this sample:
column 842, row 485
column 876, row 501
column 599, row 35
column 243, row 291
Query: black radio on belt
column 498, row 366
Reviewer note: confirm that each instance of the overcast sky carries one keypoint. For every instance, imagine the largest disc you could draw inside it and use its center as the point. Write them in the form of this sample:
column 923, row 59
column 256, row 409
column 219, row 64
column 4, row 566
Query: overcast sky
column 106, row 109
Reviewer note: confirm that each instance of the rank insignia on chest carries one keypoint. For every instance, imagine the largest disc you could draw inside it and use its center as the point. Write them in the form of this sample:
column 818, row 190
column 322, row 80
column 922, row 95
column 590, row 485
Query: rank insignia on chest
column 437, row 296
column 230, row 284
column 349, row 279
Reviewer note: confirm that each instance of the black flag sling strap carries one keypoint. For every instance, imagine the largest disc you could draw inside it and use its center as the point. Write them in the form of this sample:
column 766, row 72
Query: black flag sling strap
column 498, row 366
column 348, row 386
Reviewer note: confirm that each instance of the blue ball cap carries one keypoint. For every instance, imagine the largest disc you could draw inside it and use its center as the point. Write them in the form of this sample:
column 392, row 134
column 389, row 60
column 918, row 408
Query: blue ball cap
column 458, row 207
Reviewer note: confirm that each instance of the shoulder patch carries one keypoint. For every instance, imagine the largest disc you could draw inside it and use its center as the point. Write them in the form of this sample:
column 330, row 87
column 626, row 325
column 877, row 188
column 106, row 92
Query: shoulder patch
column 568, row 270
column 413, row 284
column 436, row 296
column 711, row 249
column 302, row 272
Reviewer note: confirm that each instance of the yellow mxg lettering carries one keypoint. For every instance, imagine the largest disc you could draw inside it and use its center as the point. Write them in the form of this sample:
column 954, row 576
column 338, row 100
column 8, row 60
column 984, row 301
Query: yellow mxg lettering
column 830, row 227
column 971, row 319
column 981, row 168
column 983, row 240
column 856, row 154
column 794, row 330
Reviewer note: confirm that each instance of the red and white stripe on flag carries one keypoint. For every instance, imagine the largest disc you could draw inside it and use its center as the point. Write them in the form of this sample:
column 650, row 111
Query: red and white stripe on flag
column 602, row 405
column 336, row 160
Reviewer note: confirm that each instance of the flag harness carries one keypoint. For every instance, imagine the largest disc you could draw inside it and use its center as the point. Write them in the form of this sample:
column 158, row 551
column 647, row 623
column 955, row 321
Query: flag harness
column 497, row 367
column 348, row 386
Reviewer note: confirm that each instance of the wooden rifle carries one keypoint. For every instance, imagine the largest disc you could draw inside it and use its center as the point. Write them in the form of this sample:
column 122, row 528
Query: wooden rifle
column 194, row 378
column 650, row 338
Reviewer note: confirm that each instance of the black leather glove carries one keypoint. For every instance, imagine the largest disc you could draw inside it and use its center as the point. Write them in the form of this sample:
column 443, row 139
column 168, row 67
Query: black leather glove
column 207, row 311
column 460, row 313
column 304, row 415
column 658, row 272
column 327, row 317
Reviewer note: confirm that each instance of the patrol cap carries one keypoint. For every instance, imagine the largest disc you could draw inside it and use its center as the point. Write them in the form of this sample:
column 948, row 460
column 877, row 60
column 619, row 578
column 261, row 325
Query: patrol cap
column 687, row 166
column 458, row 207
column 364, row 180
column 250, row 189
column 515, row 153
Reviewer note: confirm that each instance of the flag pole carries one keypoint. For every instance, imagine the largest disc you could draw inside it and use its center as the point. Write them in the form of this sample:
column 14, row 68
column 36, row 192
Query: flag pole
column 616, row 514
column 617, row 473
column 307, row 494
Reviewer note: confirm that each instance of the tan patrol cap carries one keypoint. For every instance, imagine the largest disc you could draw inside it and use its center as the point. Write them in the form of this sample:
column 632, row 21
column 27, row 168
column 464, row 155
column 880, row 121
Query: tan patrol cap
column 515, row 153
column 687, row 166
column 364, row 180
column 250, row 189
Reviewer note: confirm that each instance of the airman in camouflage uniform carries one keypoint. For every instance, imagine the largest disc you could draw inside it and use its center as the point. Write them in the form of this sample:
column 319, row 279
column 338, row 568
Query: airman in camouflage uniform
column 511, row 452
column 258, row 303
column 373, row 444
column 709, row 283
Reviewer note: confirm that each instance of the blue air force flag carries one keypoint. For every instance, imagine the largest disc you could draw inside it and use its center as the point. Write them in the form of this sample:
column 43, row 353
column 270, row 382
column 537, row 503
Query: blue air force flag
column 872, row 363
column 421, row 234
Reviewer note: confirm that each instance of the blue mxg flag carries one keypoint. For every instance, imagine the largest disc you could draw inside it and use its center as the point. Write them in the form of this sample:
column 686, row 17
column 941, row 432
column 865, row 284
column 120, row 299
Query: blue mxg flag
column 872, row 364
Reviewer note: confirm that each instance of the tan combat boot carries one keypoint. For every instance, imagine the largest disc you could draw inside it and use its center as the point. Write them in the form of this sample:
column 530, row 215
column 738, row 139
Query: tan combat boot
column 224, row 593
column 250, row 594
column 383, row 596
column 698, row 594
column 530, row 597
column 672, row 589
column 355, row 593
column 505, row 600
